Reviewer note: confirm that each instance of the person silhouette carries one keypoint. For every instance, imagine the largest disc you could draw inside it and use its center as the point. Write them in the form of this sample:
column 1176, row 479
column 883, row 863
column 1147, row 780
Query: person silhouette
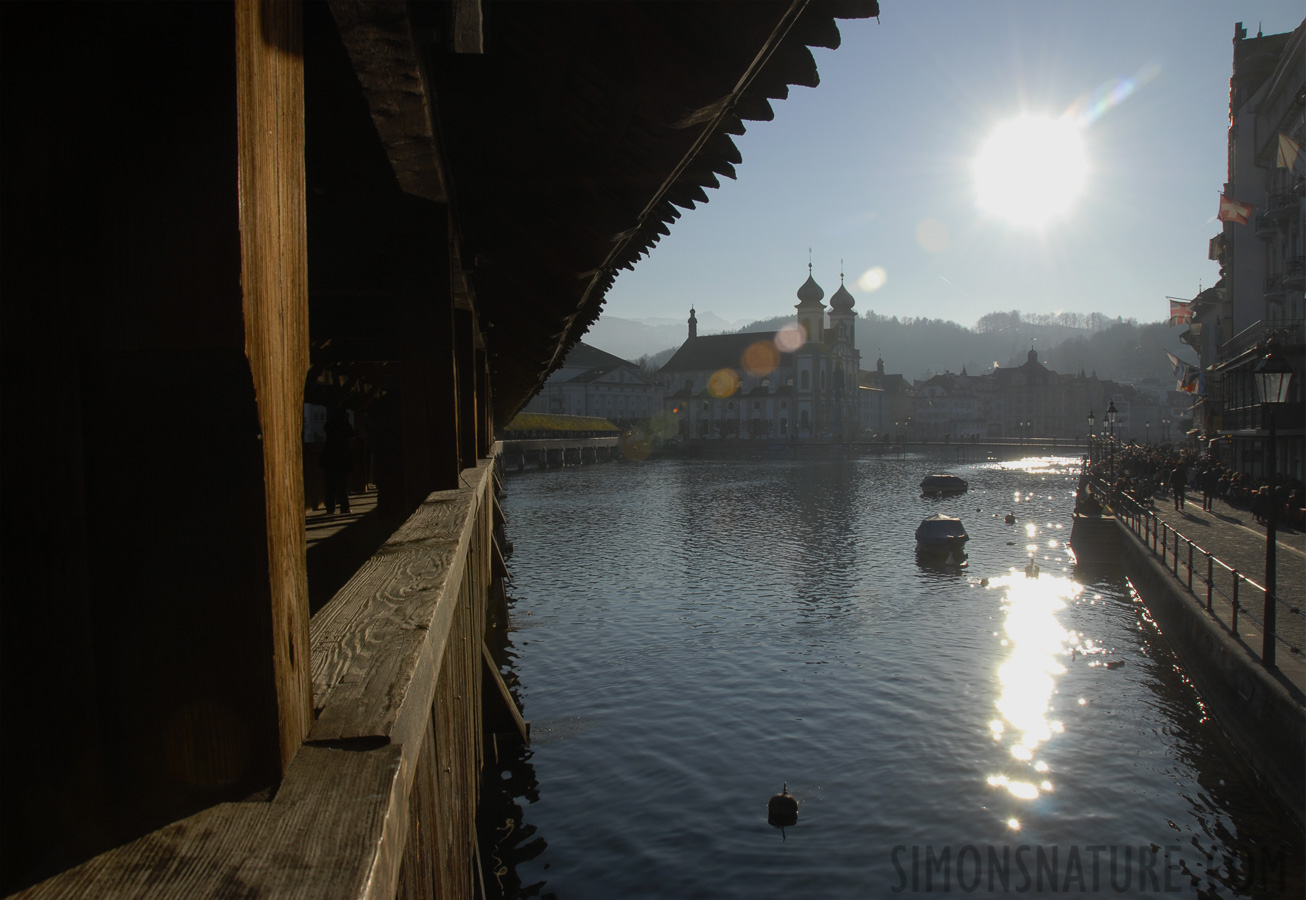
column 337, row 460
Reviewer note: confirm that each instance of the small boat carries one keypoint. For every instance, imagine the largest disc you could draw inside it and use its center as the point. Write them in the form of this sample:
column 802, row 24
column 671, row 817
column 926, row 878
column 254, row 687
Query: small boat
column 943, row 484
column 942, row 537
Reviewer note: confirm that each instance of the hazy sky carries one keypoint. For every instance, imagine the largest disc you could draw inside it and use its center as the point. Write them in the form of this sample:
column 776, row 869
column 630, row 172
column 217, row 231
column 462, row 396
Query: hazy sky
column 878, row 167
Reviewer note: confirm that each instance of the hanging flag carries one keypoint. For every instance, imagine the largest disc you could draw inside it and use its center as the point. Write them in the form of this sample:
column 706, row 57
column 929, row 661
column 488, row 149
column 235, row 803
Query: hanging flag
column 1180, row 313
column 1232, row 210
column 1290, row 155
column 1176, row 364
column 1189, row 382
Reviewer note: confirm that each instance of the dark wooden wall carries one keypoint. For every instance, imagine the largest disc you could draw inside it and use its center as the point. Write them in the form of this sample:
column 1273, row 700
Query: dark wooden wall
column 197, row 213
column 154, row 649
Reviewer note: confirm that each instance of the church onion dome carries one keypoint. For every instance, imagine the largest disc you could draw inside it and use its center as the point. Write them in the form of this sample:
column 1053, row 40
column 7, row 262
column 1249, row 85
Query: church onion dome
column 842, row 301
column 810, row 293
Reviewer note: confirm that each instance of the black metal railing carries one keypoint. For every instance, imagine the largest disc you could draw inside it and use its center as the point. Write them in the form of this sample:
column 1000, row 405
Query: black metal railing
column 1221, row 588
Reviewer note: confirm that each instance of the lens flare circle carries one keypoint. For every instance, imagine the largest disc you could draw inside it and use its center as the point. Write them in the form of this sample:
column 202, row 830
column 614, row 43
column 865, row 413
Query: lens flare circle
column 761, row 359
column 790, row 337
column 932, row 236
column 723, row 383
column 873, row 279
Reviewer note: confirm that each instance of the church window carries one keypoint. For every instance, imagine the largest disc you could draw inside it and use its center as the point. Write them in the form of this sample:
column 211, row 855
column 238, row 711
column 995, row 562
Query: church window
column 757, row 404
column 784, row 404
column 730, row 405
column 803, row 380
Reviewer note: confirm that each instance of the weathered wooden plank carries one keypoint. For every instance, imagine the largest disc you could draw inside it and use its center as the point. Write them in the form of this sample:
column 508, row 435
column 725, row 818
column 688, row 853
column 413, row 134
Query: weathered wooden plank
column 418, row 874
column 378, row 644
column 336, row 828
column 274, row 281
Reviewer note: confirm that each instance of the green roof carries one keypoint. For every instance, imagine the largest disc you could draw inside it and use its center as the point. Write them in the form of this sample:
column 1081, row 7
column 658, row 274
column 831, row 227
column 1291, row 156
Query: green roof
column 548, row 422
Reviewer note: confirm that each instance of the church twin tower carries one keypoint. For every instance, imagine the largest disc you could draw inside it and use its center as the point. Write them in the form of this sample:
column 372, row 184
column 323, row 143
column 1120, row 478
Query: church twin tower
column 813, row 391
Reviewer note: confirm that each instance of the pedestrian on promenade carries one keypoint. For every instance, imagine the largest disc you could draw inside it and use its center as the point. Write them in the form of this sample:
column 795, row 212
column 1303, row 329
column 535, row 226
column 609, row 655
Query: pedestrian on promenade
column 1210, row 485
column 1178, row 484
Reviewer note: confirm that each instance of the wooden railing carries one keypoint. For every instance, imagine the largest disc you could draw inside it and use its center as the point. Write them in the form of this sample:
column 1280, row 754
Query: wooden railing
column 381, row 800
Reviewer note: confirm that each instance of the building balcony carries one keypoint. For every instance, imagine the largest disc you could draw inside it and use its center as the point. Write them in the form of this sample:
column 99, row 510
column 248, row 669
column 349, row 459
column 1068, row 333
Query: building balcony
column 1274, row 291
column 1281, row 206
column 1266, row 227
column 1289, row 333
column 1294, row 273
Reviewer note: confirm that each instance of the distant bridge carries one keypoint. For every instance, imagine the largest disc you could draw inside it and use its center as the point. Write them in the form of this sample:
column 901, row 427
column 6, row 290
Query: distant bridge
column 552, row 453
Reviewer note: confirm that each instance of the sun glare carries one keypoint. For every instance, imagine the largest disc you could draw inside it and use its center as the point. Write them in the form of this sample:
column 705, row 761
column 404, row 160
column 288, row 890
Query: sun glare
column 1031, row 170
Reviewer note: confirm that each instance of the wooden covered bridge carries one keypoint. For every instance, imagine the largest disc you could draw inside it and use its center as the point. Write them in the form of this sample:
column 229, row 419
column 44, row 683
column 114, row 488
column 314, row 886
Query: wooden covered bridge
column 213, row 214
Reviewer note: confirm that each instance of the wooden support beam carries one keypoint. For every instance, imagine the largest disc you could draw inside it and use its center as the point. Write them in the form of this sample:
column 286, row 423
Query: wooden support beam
column 501, row 712
column 430, row 421
column 465, row 362
column 274, row 279
column 468, row 25
column 484, row 408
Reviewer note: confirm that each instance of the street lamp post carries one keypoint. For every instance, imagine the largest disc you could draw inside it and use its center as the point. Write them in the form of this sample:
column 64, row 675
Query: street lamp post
column 1272, row 376
column 1147, row 432
column 1111, row 448
column 1091, row 420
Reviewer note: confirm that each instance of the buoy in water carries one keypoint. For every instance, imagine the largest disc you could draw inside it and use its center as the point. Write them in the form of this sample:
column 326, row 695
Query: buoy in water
column 1031, row 570
column 1011, row 519
column 782, row 809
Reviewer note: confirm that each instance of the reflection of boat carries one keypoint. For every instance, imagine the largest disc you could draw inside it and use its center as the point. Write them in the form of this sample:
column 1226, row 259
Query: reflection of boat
column 942, row 538
column 943, row 484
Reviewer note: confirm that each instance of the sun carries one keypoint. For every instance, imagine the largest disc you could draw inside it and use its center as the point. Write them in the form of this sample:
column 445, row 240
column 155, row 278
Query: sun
column 1031, row 170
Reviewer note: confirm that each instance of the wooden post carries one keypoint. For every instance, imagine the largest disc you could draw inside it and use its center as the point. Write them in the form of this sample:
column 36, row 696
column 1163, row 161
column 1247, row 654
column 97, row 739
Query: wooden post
column 274, row 278
column 465, row 361
column 431, row 422
column 484, row 421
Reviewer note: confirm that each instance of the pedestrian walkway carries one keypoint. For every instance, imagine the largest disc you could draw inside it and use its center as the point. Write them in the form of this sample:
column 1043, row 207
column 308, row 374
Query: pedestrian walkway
column 339, row 544
column 1232, row 536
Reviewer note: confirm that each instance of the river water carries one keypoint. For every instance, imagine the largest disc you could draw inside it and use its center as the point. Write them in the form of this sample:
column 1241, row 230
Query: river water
column 690, row 635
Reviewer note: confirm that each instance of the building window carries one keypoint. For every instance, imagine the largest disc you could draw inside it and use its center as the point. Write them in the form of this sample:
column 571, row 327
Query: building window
column 757, row 404
column 784, row 404
column 803, row 380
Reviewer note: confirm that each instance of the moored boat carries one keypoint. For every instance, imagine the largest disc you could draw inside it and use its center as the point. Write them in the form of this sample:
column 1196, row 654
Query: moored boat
column 943, row 484
column 942, row 537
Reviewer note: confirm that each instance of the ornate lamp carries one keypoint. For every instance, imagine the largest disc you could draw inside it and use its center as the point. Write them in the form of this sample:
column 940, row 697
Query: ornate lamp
column 1272, row 376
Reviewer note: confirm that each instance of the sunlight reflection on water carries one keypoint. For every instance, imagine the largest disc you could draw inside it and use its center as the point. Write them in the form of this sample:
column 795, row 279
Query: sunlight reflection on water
column 1037, row 642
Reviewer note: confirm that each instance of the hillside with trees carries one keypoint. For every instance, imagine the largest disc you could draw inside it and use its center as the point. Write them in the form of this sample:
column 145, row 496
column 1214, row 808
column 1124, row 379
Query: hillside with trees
column 1116, row 349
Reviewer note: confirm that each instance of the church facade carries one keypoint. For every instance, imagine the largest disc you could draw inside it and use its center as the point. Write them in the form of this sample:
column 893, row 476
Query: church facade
column 798, row 383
